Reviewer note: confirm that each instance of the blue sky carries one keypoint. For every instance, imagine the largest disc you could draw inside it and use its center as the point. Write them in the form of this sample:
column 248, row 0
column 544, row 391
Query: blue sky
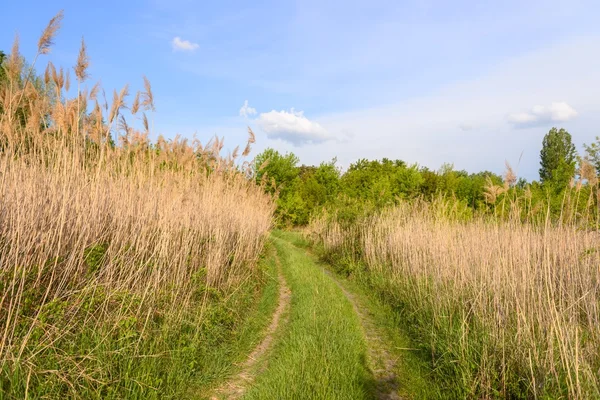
column 466, row 82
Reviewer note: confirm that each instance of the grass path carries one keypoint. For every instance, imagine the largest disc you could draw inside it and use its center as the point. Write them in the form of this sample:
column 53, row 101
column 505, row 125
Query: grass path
column 398, row 370
column 328, row 339
column 321, row 352
column 382, row 363
column 237, row 386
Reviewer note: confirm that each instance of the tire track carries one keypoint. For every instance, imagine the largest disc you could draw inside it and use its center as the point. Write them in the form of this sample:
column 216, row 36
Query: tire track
column 380, row 361
column 236, row 387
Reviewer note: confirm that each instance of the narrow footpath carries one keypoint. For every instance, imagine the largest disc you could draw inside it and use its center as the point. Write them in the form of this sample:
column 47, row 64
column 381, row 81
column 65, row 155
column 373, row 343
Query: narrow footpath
column 323, row 341
column 236, row 387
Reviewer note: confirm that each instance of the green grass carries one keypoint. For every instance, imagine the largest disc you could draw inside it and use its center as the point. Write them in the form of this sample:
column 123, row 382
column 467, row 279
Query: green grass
column 434, row 370
column 320, row 351
column 416, row 377
column 221, row 363
column 182, row 360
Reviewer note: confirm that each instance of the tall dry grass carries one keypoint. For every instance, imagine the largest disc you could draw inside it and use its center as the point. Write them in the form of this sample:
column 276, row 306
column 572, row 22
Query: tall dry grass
column 505, row 309
column 103, row 231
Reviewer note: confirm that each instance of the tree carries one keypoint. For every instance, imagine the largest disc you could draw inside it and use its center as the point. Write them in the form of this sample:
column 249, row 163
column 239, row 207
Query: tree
column 557, row 159
column 319, row 185
column 382, row 182
column 593, row 153
column 282, row 168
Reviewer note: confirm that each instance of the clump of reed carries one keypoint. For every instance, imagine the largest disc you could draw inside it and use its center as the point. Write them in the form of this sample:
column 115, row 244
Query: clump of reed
column 108, row 240
column 502, row 308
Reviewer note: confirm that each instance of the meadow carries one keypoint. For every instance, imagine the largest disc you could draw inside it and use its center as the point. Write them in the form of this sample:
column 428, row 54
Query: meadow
column 118, row 255
column 134, row 266
column 499, row 308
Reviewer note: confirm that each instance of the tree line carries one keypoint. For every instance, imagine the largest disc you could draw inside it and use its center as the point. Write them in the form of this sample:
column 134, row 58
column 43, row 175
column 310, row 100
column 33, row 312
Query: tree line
column 566, row 180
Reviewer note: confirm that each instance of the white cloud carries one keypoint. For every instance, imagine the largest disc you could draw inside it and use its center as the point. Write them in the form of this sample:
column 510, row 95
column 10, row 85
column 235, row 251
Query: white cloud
column 183, row 45
column 540, row 115
column 427, row 129
column 246, row 110
column 292, row 127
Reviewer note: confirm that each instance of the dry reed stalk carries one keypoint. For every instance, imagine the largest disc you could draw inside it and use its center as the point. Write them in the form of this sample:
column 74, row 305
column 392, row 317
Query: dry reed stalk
column 157, row 214
column 526, row 298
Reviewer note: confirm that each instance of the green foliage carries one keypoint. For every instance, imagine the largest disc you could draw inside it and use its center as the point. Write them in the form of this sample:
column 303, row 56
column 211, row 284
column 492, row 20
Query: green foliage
column 368, row 185
column 94, row 256
column 557, row 159
column 281, row 168
column 124, row 356
column 301, row 189
column 2, row 71
column 381, row 182
column 593, row 153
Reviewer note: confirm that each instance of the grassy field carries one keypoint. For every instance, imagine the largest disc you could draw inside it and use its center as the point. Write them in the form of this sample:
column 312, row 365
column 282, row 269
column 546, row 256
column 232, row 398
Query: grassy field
column 126, row 264
column 132, row 266
column 415, row 378
column 504, row 309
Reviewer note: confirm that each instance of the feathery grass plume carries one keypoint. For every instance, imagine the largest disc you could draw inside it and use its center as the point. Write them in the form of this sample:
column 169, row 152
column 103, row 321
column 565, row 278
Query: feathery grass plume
column 60, row 82
column 47, row 73
column 114, row 107
column 135, row 106
column 247, row 150
column 97, row 126
column 14, row 66
column 53, row 76
column 510, row 178
column 251, row 139
column 47, row 39
column 145, row 123
column 105, row 103
column 264, row 164
column 94, row 91
column 492, row 191
column 68, row 80
column 83, row 63
column 587, row 171
column 123, row 125
column 118, row 103
column 148, row 97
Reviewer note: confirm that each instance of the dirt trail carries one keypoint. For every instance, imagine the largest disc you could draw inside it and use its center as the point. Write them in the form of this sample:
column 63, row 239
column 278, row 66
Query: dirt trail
column 380, row 361
column 236, row 387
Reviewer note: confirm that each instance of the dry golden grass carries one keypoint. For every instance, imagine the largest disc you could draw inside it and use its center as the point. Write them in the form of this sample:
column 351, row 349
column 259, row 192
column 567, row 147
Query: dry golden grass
column 512, row 307
column 81, row 215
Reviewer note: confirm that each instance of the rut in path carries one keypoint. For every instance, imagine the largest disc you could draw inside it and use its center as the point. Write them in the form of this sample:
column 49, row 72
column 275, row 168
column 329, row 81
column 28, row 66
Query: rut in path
column 237, row 386
column 380, row 361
